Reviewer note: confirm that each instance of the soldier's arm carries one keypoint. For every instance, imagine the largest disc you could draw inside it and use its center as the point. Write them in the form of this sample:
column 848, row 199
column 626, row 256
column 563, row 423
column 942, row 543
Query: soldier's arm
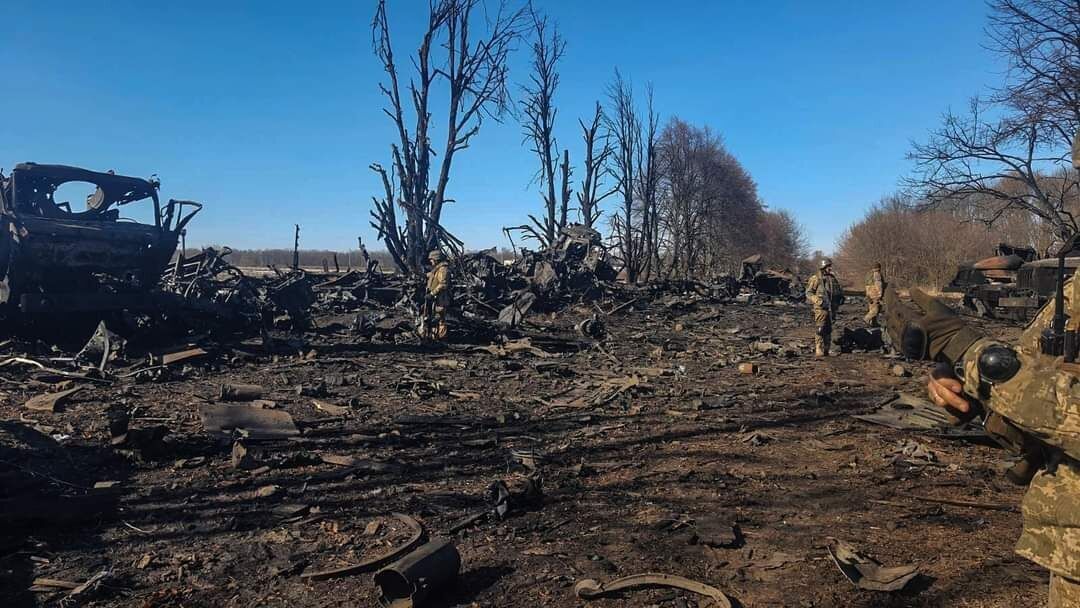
column 811, row 290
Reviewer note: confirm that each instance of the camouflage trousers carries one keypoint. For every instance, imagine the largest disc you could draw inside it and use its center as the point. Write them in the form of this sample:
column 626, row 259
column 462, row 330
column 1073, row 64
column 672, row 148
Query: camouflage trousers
column 439, row 331
column 1064, row 593
column 872, row 312
column 823, row 334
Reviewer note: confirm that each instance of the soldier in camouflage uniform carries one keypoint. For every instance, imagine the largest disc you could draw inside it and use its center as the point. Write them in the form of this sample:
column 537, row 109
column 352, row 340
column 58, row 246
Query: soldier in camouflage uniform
column 875, row 288
column 825, row 295
column 439, row 295
column 1042, row 399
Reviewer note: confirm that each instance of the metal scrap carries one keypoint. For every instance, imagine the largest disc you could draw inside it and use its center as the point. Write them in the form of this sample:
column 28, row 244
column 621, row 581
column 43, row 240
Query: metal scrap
column 589, row 589
column 50, row 401
column 250, row 421
column 417, row 535
column 866, row 572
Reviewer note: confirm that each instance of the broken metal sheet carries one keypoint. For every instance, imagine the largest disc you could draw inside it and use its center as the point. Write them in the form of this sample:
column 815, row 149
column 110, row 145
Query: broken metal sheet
column 365, row 465
column 909, row 413
column 254, row 422
column 512, row 314
column 589, row 589
column 330, row 408
column 182, row 355
column 714, row 533
column 50, row 401
column 102, row 347
column 415, row 539
column 866, row 572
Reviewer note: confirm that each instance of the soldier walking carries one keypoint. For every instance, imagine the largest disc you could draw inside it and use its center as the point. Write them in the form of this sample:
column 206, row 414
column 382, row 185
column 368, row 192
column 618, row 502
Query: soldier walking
column 825, row 295
column 439, row 296
column 875, row 288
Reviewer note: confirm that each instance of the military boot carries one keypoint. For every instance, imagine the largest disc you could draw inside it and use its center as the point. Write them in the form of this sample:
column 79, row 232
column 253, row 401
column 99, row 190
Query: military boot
column 820, row 348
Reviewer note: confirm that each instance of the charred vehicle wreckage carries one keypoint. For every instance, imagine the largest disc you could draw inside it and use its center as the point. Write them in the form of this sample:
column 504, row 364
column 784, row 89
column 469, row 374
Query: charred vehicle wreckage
column 118, row 253
column 1012, row 284
column 119, row 257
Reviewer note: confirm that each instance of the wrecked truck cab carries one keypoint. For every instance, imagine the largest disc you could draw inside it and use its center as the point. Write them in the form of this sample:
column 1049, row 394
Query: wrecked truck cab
column 57, row 257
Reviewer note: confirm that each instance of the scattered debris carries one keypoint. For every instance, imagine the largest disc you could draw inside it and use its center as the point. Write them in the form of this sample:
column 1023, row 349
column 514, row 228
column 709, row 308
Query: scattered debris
column 912, row 453
column 867, row 573
column 50, row 401
column 412, row 579
column 417, row 534
column 252, row 422
column 911, row 413
column 748, row 369
column 589, row 589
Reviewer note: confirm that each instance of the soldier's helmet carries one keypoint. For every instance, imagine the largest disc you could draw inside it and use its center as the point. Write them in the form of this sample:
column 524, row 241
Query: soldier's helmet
column 436, row 255
column 826, row 263
column 877, row 265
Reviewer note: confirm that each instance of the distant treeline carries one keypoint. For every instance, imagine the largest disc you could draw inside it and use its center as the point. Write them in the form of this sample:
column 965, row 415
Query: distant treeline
column 313, row 258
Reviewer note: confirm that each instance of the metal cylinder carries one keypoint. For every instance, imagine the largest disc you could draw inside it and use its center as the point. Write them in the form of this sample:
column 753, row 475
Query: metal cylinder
column 411, row 579
column 240, row 392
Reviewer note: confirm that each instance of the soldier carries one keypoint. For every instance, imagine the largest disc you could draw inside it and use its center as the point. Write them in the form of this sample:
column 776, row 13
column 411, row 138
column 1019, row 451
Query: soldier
column 1033, row 396
column 825, row 295
column 875, row 288
column 439, row 295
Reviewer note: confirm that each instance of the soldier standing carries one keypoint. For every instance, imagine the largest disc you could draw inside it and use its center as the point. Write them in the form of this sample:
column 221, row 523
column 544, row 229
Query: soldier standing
column 875, row 288
column 439, row 295
column 825, row 294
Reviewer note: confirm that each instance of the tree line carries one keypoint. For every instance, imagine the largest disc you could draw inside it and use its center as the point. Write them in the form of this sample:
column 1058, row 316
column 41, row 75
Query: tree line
column 674, row 201
column 999, row 171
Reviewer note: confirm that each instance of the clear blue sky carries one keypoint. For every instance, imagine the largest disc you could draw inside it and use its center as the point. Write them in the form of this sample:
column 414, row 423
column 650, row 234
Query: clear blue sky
column 269, row 111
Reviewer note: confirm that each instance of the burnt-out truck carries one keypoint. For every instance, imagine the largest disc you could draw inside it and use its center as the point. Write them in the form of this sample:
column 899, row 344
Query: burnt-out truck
column 102, row 254
column 1011, row 285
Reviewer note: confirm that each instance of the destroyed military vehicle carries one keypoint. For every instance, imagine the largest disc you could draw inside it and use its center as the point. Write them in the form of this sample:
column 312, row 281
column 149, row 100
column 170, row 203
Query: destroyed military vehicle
column 770, row 281
column 1011, row 285
column 60, row 256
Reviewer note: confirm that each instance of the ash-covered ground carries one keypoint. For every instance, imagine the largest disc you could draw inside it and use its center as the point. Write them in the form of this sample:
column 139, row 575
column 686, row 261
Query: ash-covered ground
column 656, row 454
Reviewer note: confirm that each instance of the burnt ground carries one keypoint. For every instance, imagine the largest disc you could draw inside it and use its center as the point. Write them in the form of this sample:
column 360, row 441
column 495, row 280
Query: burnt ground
column 641, row 438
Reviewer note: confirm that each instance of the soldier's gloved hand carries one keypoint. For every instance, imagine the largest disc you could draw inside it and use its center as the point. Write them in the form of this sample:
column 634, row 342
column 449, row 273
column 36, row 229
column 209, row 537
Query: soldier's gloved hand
column 946, row 391
column 947, row 336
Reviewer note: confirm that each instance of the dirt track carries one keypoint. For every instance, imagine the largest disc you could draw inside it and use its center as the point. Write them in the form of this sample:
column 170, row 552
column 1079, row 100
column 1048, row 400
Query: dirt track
column 626, row 468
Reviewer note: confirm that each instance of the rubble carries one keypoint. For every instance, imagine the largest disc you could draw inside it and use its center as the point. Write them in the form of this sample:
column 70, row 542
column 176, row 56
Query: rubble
column 867, row 573
column 250, row 431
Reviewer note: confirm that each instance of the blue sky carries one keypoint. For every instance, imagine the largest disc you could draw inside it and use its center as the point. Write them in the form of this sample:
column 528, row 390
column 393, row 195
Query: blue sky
column 269, row 111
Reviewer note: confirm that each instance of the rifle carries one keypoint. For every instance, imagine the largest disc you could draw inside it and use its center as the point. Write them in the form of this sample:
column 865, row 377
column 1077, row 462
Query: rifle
column 914, row 337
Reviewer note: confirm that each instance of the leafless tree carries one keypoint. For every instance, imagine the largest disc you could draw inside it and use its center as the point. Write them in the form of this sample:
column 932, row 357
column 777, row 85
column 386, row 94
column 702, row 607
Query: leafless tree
column 647, row 187
column 1001, row 153
column 473, row 68
column 709, row 213
column 597, row 152
column 539, row 114
column 624, row 128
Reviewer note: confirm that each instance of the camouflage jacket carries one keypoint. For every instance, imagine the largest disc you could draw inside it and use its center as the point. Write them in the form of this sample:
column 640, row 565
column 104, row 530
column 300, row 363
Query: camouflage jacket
column 875, row 286
column 1043, row 399
column 824, row 291
column 438, row 282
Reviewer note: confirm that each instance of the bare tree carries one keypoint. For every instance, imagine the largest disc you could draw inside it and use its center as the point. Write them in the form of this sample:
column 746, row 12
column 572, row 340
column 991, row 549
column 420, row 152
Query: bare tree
column 1003, row 162
column 708, row 209
column 539, row 113
column 474, row 69
column 624, row 129
column 648, row 179
column 597, row 152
